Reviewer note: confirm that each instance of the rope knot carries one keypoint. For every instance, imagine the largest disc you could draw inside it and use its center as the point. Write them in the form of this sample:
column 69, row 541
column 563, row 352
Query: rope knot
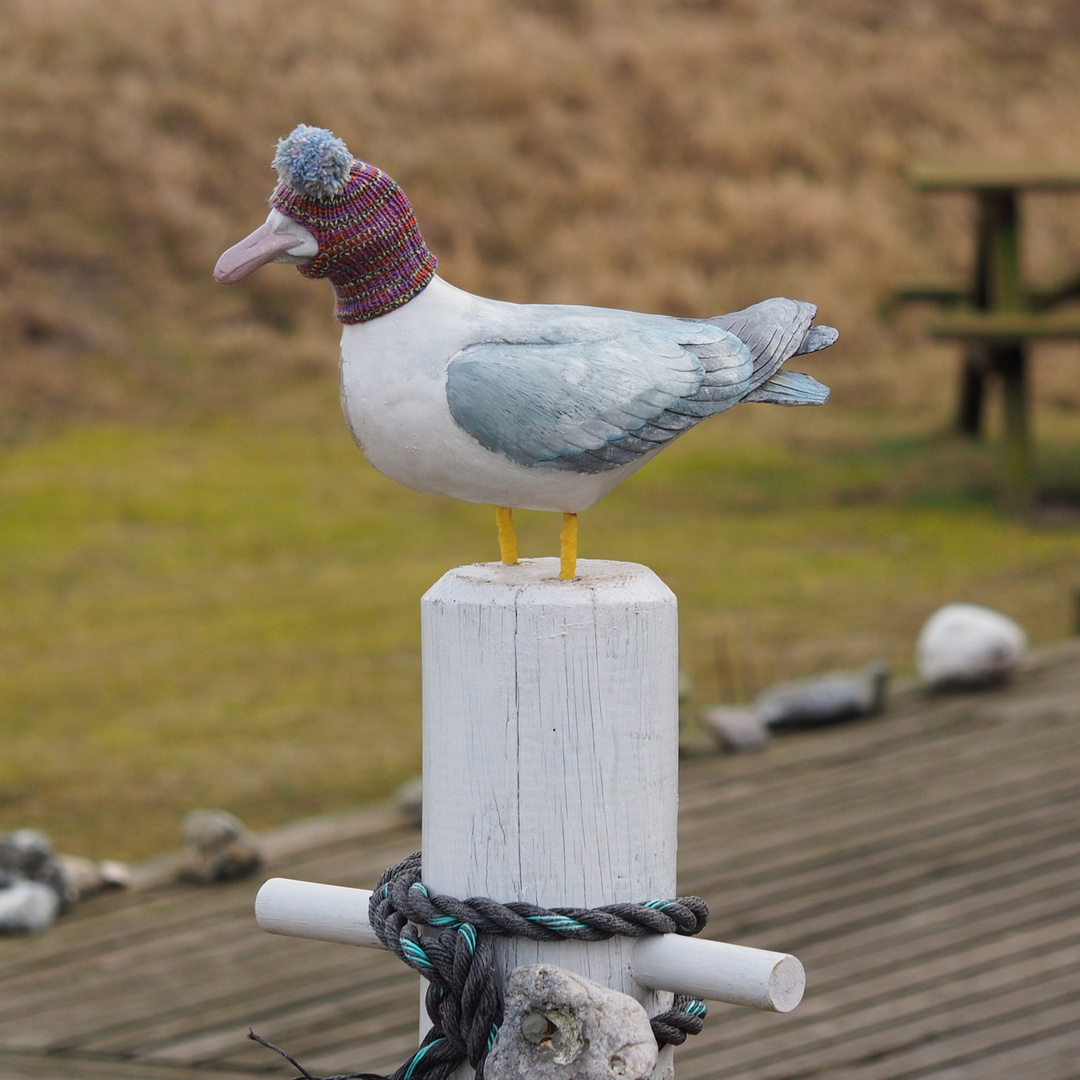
column 463, row 1000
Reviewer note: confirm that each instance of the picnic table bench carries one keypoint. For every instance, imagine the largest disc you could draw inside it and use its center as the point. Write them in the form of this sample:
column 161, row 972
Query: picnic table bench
column 995, row 315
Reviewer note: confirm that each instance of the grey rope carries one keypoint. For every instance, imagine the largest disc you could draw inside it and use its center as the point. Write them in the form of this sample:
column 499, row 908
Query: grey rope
column 463, row 1000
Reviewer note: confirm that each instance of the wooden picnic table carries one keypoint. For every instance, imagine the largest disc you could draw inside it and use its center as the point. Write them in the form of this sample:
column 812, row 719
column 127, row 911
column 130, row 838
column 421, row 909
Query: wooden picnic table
column 996, row 315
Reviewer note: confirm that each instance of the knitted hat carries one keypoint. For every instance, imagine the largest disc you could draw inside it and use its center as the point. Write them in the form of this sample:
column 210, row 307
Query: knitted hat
column 369, row 244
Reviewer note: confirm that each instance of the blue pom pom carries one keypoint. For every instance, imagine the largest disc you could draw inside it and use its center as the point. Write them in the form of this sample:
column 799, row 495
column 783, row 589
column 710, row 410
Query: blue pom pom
column 310, row 160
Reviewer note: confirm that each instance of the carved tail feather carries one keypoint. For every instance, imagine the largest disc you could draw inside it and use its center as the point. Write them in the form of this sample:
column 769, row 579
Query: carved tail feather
column 790, row 388
column 817, row 338
column 774, row 331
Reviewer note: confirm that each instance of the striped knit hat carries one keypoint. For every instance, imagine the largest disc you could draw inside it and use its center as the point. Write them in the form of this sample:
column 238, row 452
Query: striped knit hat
column 369, row 244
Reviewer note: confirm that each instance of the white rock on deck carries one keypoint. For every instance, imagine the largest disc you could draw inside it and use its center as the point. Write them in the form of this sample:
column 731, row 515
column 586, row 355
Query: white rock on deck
column 967, row 645
column 737, row 728
column 27, row 907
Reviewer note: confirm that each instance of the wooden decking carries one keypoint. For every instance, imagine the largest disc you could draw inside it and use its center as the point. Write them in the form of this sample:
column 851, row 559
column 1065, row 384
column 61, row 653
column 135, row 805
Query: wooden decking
column 924, row 866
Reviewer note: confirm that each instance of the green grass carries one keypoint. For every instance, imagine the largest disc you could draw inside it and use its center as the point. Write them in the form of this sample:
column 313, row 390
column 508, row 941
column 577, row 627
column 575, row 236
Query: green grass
column 228, row 614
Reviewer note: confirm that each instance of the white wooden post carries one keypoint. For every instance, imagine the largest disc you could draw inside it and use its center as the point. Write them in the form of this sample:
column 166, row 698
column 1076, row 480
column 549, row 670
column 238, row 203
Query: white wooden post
column 550, row 775
column 551, row 748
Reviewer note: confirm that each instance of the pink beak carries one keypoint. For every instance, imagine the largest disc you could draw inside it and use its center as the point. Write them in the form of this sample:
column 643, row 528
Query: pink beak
column 256, row 250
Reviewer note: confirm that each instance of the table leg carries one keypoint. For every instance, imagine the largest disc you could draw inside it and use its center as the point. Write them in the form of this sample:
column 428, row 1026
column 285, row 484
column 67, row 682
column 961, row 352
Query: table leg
column 1011, row 362
column 997, row 286
column 972, row 392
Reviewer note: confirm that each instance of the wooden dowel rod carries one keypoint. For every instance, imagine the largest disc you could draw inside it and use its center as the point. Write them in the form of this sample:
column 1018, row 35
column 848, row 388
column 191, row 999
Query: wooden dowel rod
column 717, row 971
column 713, row 970
column 306, row 909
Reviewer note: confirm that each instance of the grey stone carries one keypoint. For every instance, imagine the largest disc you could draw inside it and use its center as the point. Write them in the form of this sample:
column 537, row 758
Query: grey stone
column 801, row 703
column 28, row 854
column 965, row 646
column 737, row 729
column 25, row 852
column 825, row 699
column 220, row 845
column 81, row 876
column 26, row 906
column 115, row 875
column 84, row 877
column 558, row 1025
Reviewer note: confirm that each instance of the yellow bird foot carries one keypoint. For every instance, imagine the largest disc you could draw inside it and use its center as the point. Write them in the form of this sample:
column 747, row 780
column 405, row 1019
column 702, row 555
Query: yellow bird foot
column 568, row 548
column 504, row 518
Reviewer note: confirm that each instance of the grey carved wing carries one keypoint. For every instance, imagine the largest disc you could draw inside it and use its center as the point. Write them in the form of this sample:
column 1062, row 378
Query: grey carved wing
column 588, row 406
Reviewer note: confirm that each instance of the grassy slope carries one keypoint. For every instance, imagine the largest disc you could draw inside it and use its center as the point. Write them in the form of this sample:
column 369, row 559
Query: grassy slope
column 206, row 597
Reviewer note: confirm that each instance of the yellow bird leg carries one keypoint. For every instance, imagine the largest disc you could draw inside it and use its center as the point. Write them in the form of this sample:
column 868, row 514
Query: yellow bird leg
column 504, row 518
column 568, row 548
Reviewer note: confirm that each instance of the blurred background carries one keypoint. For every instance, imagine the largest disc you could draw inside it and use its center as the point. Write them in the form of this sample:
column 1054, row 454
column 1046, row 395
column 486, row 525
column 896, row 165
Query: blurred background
column 208, row 597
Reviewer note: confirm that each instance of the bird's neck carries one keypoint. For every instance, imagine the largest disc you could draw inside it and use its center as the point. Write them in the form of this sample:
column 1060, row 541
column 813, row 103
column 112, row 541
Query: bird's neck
column 369, row 245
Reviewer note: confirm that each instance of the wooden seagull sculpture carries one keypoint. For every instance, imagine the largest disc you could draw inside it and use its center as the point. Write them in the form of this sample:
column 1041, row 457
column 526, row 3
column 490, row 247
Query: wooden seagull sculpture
column 538, row 406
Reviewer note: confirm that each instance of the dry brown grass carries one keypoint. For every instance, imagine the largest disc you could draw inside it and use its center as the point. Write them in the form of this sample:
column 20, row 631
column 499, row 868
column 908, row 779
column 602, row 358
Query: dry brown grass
column 675, row 155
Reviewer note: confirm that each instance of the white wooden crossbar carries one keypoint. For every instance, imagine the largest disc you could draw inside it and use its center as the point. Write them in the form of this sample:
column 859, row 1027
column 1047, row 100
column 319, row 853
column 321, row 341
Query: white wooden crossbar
column 713, row 970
